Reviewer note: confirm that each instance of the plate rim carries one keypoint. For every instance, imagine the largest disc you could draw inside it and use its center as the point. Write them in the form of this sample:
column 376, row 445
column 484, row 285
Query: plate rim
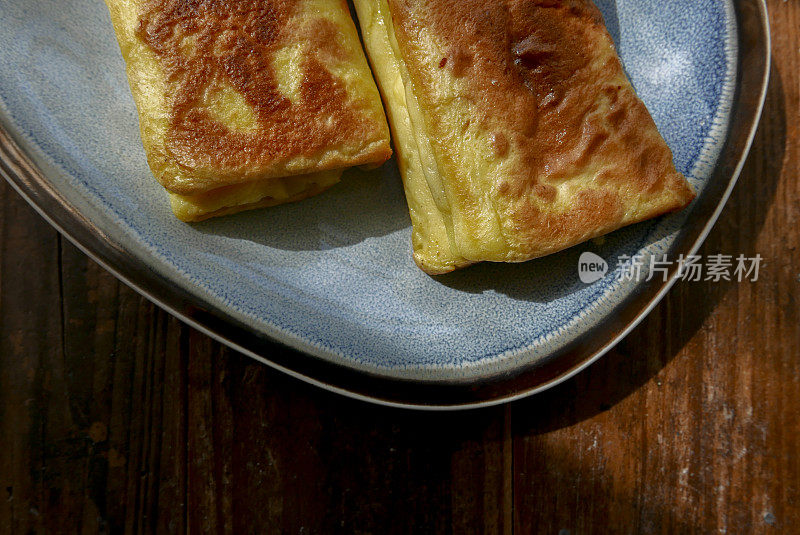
column 753, row 68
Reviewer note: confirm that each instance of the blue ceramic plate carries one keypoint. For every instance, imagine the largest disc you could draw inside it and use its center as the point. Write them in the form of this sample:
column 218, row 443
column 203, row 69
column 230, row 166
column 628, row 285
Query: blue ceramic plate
column 332, row 277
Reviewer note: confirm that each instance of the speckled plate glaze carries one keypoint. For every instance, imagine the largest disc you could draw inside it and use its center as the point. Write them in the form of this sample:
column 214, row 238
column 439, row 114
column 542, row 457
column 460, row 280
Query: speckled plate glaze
column 332, row 277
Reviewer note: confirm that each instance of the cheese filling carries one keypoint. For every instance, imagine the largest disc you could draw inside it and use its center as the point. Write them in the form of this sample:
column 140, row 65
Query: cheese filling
column 433, row 237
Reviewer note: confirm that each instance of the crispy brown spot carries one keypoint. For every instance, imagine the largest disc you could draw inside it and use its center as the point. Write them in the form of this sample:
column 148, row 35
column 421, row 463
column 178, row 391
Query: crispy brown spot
column 503, row 187
column 499, row 144
column 545, row 192
column 461, row 62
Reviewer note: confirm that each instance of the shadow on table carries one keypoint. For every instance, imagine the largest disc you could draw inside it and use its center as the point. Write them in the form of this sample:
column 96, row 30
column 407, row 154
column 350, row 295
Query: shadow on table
column 322, row 463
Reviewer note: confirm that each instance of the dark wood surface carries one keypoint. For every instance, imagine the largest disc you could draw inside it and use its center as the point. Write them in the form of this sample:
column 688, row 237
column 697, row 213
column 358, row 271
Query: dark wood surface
column 115, row 417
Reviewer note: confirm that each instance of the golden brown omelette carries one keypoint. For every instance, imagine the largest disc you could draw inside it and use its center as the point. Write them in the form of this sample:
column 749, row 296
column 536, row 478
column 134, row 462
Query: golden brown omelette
column 249, row 103
column 517, row 131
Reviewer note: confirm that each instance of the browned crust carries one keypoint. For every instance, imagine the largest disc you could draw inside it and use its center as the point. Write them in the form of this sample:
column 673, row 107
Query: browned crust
column 234, row 43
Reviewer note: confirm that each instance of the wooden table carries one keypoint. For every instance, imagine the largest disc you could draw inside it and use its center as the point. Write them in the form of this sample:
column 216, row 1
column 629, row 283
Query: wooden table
column 115, row 416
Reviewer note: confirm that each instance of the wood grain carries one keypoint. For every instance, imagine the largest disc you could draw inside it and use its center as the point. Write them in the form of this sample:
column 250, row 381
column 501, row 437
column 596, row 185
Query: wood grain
column 115, row 417
column 691, row 424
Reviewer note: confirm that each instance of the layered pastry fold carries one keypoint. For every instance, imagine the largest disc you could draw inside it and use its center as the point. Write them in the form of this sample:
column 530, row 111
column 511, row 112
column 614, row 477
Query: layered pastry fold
column 249, row 103
column 516, row 129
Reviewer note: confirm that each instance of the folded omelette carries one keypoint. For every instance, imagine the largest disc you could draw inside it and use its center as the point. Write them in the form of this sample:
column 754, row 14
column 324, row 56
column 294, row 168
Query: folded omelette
column 517, row 131
column 249, row 103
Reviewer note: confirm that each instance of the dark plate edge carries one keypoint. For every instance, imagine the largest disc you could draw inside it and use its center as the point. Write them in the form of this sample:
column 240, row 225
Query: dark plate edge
column 753, row 75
